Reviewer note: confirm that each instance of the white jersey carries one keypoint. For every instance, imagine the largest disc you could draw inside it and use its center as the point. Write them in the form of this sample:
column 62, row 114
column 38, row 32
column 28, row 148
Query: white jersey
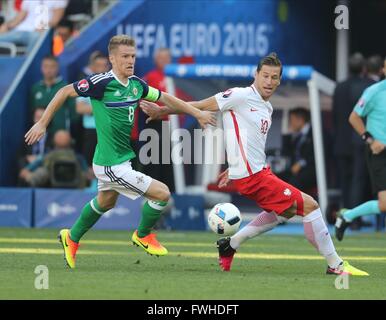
column 246, row 118
column 39, row 13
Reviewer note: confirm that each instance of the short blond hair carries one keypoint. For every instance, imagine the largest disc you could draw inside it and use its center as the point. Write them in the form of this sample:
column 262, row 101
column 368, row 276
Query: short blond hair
column 121, row 39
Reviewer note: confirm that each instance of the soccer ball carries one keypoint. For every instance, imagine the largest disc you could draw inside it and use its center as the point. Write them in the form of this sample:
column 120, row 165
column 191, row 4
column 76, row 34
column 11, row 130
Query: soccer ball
column 224, row 219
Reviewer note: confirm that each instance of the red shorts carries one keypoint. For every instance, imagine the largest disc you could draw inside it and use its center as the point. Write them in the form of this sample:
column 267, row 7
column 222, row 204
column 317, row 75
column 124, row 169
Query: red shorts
column 270, row 192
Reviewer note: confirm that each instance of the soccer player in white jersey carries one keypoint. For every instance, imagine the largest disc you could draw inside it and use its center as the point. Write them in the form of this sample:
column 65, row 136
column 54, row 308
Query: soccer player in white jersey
column 247, row 116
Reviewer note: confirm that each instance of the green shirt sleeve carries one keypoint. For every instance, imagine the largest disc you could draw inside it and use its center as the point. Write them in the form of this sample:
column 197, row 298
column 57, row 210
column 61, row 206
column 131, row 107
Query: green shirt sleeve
column 148, row 93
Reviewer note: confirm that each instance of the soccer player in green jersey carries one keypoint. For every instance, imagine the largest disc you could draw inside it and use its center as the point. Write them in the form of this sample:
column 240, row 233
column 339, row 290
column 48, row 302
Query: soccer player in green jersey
column 114, row 97
column 372, row 106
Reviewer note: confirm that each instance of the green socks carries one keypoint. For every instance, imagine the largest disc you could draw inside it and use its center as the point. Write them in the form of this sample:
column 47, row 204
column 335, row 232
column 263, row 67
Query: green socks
column 151, row 212
column 90, row 215
column 367, row 208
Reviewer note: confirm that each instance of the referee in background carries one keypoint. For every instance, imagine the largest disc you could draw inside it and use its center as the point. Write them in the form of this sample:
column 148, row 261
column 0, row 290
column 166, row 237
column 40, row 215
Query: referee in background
column 372, row 106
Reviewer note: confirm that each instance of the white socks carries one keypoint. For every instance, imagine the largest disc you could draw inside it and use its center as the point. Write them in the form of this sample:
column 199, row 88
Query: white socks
column 317, row 234
column 264, row 222
column 315, row 231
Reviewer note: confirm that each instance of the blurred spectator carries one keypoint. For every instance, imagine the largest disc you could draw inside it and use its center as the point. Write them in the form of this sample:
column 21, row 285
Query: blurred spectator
column 60, row 168
column 298, row 147
column 28, row 153
column 375, row 68
column 25, row 28
column 349, row 147
column 156, row 78
column 98, row 64
column 43, row 91
column 63, row 32
column 97, row 61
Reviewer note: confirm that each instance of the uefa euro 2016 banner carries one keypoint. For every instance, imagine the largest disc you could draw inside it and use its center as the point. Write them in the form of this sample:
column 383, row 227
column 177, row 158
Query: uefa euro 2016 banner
column 211, row 39
column 229, row 31
column 210, row 32
column 59, row 208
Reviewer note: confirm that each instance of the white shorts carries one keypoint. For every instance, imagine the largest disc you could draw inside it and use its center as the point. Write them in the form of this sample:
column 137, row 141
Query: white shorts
column 123, row 179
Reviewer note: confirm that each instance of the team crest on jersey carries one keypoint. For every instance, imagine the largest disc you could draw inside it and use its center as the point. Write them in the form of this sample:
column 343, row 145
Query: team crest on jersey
column 287, row 192
column 135, row 91
column 83, row 85
column 227, row 93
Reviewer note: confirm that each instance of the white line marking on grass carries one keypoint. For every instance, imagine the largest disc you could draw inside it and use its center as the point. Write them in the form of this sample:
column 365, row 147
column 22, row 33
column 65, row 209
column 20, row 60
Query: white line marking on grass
column 176, row 244
column 264, row 256
column 56, row 251
column 257, row 256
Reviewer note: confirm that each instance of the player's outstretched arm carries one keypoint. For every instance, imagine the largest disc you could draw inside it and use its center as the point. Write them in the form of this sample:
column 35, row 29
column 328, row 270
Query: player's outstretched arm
column 177, row 105
column 155, row 112
column 39, row 128
column 208, row 104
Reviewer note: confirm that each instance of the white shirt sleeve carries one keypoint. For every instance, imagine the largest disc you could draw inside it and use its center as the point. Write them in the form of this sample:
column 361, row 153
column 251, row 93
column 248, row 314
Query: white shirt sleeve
column 230, row 99
column 57, row 4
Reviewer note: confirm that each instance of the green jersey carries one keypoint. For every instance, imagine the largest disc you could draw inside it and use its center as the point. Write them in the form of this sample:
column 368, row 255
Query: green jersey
column 40, row 97
column 113, row 106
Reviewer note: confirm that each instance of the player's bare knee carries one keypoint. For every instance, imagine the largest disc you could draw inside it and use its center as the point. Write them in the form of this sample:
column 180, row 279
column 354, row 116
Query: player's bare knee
column 107, row 205
column 164, row 193
column 107, row 202
column 310, row 204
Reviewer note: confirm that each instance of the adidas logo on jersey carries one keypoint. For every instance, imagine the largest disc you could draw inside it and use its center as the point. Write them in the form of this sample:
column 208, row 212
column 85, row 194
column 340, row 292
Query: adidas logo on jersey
column 117, row 93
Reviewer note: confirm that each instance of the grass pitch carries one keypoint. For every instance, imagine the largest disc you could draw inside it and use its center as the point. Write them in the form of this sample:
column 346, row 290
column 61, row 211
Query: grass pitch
column 110, row 267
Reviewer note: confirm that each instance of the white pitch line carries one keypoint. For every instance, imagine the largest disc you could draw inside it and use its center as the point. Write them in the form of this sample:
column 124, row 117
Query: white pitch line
column 211, row 244
column 253, row 256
